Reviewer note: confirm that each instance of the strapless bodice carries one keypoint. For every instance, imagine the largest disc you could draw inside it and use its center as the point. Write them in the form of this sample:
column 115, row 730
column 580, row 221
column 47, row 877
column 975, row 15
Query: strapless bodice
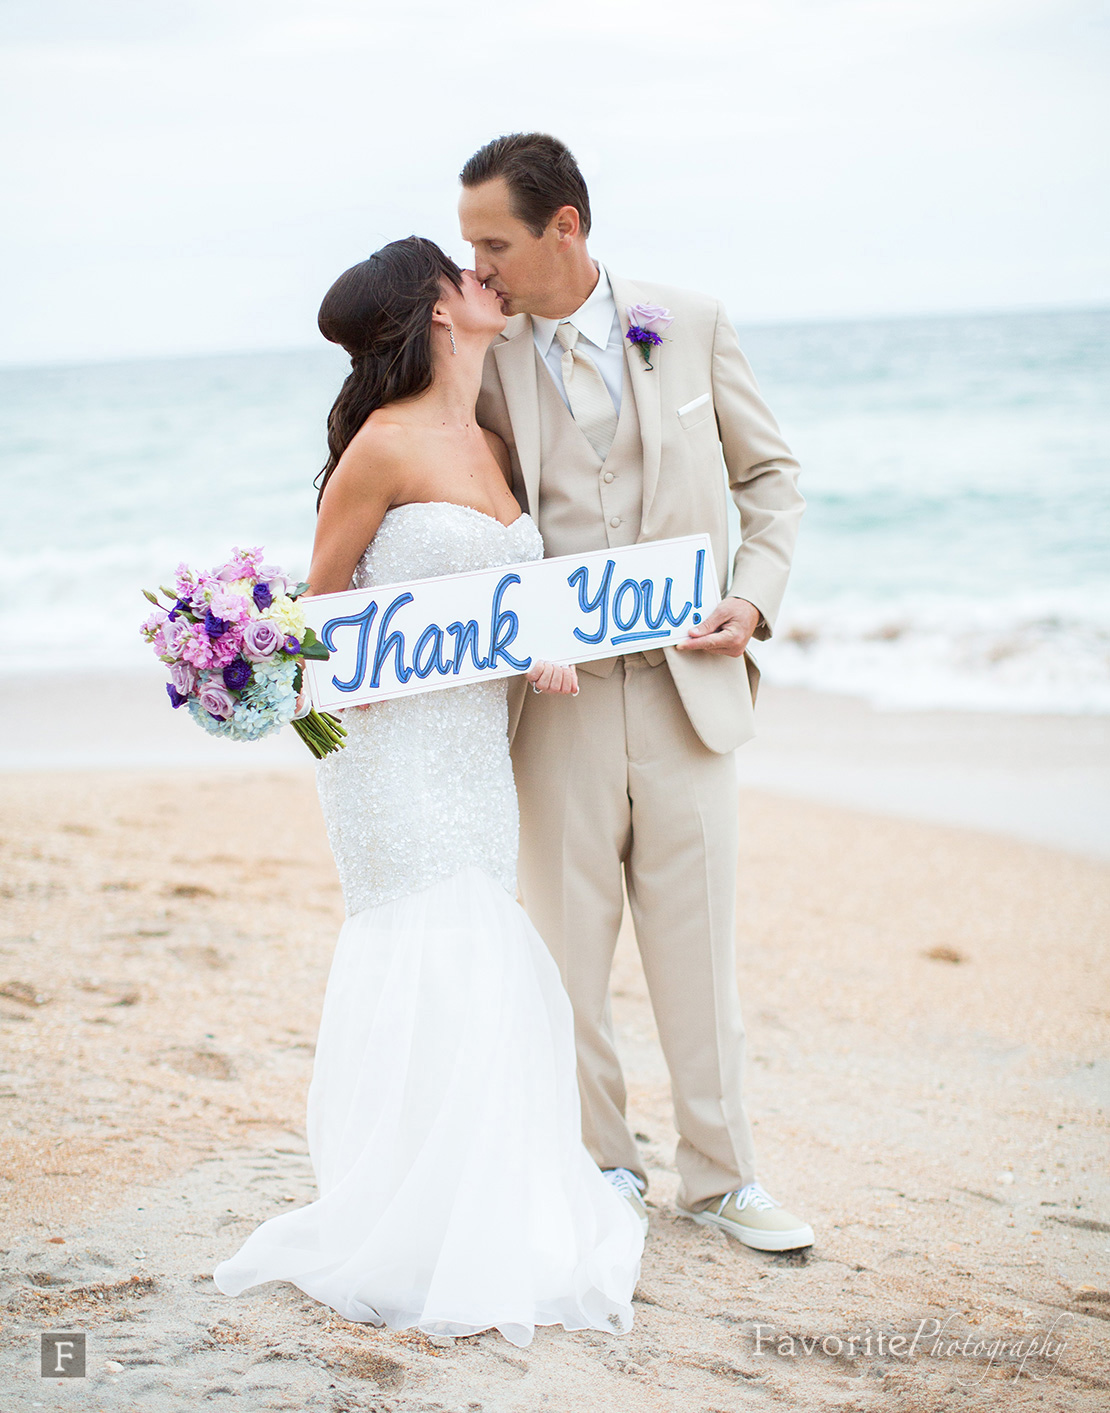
column 424, row 787
column 425, row 539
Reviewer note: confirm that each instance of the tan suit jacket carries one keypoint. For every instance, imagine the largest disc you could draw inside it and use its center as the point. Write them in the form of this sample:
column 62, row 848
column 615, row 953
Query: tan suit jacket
column 683, row 480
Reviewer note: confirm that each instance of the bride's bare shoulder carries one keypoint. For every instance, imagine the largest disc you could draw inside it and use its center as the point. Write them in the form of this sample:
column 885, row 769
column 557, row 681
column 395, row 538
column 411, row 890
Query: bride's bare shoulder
column 383, row 449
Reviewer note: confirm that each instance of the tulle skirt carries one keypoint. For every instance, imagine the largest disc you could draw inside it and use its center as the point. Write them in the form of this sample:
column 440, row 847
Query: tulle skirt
column 455, row 1194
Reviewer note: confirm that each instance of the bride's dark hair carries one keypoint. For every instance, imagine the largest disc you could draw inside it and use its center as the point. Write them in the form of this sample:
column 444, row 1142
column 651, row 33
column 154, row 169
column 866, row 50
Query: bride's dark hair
column 380, row 311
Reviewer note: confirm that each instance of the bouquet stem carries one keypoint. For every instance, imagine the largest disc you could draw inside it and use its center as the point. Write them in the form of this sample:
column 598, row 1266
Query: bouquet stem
column 321, row 732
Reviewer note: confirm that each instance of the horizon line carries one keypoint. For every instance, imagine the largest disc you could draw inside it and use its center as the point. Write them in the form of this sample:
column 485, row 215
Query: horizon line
column 790, row 321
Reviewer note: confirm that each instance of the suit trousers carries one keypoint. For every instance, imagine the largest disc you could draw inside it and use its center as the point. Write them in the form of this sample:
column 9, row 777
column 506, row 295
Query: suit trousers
column 616, row 781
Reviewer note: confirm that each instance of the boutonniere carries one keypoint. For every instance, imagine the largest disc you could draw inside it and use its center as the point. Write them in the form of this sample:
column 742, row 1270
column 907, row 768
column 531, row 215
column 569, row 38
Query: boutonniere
column 645, row 324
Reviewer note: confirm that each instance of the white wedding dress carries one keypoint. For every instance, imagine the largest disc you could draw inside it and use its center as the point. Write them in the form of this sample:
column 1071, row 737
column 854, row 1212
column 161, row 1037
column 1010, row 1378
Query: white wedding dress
column 455, row 1194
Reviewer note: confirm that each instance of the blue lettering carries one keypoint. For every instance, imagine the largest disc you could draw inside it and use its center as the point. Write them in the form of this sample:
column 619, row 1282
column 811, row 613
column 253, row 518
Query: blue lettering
column 503, row 628
column 392, row 643
column 466, row 636
column 432, row 637
column 666, row 613
column 629, row 586
column 600, row 601
column 364, row 620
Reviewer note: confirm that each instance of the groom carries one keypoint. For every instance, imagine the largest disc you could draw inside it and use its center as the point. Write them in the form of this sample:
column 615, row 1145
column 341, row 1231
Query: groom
column 635, row 780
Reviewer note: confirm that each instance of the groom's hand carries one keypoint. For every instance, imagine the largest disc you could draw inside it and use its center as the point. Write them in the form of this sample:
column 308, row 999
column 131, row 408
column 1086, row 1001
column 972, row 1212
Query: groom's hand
column 728, row 629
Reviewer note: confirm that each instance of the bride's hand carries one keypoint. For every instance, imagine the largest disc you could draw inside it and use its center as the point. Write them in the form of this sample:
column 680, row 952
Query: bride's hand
column 550, row 677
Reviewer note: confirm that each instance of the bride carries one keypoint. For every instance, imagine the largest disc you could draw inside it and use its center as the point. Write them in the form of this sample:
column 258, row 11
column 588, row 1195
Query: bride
column 443, row 1119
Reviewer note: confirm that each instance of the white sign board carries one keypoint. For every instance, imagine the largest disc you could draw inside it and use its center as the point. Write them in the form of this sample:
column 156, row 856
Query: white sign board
column 395, row 639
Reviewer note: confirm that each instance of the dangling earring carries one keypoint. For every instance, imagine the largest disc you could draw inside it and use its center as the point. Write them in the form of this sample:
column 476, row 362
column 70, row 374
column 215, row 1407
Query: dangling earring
column 451, row 336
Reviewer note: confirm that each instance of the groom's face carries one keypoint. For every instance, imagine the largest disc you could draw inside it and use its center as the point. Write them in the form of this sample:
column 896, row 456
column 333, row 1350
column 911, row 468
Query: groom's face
column 508, row 258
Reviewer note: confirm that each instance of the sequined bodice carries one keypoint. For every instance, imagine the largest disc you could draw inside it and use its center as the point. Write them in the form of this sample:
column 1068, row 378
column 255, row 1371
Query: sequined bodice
column 424, row 787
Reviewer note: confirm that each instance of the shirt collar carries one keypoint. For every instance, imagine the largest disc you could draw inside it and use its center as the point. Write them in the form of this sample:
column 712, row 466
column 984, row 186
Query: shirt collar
column 593, row 319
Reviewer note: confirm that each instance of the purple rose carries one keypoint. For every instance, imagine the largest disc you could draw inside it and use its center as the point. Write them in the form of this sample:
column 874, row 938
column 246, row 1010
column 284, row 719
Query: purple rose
column 176, row 698
column 216, row 700
column 652, row 317
column 183, row 675
column 213, row 626
column 260, row 640
column 237, row 674
column 262, row 596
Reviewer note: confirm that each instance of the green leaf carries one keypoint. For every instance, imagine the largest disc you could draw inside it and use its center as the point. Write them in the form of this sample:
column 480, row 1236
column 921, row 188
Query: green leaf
column 298, row 589
column 311, row 646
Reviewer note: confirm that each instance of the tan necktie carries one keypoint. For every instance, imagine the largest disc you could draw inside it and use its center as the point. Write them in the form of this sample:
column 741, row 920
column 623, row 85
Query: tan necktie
column 590, row 404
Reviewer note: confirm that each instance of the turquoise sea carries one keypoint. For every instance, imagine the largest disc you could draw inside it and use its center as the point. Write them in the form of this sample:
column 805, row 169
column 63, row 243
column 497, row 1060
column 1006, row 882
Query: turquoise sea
column 955, row 553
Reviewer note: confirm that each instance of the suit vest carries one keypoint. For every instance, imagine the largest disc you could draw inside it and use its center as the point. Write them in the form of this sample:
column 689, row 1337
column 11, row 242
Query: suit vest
column 586, row 503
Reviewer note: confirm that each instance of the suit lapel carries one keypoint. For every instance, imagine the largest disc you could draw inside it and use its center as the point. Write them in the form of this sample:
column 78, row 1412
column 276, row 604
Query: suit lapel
column 515, row 357
column 645, row 384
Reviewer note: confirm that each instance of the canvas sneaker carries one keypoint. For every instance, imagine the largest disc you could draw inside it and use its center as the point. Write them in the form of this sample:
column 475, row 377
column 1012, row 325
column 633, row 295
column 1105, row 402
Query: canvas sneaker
column 631, row 1188
column 753, row 1216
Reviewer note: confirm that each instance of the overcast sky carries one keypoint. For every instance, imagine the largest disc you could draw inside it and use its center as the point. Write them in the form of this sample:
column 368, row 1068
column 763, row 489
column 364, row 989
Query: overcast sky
column 191, row 177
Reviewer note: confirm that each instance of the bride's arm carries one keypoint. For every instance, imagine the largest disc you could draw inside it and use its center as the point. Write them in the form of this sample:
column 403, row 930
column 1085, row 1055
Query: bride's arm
column 359, row 492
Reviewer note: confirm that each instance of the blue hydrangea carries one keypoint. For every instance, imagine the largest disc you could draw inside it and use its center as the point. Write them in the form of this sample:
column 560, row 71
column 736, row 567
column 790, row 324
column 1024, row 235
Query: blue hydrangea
column 265, row 706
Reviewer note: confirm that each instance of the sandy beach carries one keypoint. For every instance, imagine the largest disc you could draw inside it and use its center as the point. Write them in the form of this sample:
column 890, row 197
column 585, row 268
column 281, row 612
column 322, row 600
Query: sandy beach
column 928, row 1020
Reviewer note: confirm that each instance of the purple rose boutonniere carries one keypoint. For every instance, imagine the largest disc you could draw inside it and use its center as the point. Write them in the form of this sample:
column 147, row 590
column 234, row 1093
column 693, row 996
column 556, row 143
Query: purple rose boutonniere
column 646, row 323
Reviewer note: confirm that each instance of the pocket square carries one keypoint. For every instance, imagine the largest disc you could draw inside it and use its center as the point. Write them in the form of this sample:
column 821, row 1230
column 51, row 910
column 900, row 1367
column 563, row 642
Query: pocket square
column 689, row 406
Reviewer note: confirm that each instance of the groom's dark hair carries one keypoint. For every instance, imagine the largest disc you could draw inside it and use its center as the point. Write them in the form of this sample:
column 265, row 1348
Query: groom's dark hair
column 540, row 172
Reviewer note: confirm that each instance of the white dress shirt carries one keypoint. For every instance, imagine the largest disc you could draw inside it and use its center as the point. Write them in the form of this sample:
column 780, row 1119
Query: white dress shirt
column 599, row 336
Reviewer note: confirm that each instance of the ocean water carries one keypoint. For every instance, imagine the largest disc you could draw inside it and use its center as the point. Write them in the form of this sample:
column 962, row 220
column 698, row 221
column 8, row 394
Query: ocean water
column 955, row 551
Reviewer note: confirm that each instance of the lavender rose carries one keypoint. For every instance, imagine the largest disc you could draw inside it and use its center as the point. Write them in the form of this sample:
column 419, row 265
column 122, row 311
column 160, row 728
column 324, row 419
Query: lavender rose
column 279, row 583
column 183, row 675
column 216, row 700
column 652, row 317
column 260, row 640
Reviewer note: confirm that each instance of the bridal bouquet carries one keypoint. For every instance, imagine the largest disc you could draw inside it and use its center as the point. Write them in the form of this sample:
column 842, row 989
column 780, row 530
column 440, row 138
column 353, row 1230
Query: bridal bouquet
column 235, row 641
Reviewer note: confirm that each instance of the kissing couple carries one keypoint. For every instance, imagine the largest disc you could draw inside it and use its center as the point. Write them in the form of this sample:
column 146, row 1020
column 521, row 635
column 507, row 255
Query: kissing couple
column 466, row 1113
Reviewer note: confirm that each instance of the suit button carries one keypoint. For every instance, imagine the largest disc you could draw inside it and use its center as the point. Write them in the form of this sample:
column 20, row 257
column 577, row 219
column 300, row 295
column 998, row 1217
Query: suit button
column 615, row 521
column 608, row 477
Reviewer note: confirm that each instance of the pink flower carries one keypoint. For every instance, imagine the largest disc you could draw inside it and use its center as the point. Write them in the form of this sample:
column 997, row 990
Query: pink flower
column 186, row 581
column 196, row 647
column 232, row 608
column 652, row 317
column 216, row 700
column 243, row 564
column 227, row 646
column 200, row 592
column 153, row 628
